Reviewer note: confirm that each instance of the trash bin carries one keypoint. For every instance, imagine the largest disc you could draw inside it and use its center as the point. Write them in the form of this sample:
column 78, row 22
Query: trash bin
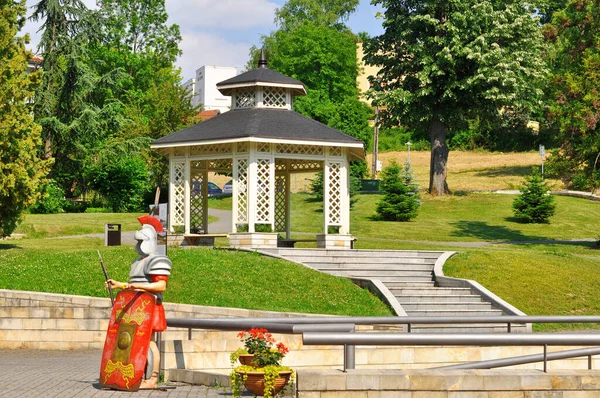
column 112, row 235
column 369, row 186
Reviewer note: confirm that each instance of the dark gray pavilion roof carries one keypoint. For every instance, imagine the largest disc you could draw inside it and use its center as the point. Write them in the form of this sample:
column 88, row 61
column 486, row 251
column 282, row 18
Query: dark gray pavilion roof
column 257, row 76
column 258, row 123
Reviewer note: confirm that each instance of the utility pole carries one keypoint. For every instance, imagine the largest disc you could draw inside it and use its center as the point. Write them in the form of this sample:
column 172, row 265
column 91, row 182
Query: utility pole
column 375, row 142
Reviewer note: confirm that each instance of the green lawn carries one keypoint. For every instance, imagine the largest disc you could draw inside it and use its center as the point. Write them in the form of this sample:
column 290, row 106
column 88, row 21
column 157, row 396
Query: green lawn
column 540, row 278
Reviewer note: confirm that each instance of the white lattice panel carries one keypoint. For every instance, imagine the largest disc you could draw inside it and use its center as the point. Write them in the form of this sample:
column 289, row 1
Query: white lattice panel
column 197, row 203
column 211, row 149
column 220, row 164
column 299, row 149
column 244, row 98
column 274, row 97
column 280, row 165
column 179, row 151
column 242, row 191
column 335, row 151
column 263, row 194
column 335, row 194
column 178, row 194
column 280, row 207
column 242, row 147
column 263, row 147
column 306, row 165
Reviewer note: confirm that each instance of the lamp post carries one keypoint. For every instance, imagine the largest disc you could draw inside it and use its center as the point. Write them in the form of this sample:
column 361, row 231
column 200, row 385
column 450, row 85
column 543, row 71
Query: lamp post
column 408, row 144
column 375, row 142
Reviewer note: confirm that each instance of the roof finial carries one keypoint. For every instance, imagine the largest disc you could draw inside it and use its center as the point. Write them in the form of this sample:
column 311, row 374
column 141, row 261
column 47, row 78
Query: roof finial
column 262, row 62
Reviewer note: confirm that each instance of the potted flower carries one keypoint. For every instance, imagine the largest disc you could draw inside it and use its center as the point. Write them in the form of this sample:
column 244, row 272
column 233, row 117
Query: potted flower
column 263, row 373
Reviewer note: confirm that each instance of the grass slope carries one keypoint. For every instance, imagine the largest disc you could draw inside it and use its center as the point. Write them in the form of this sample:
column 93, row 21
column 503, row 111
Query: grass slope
column 211, row 277
column 553, row 278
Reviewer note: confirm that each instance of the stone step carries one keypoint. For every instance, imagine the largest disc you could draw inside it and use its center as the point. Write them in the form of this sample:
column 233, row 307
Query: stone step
column 389, row 266
column 407, row 280
column 371, row 261
column 411, row 285
column 401, row 289
column 379, row 274
column 455, row 312
column 464, row 298
column 447, row 305
column 289, row 252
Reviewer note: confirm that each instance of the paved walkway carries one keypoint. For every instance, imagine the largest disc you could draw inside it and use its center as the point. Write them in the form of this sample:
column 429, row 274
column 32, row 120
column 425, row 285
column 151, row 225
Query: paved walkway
column 65, row 374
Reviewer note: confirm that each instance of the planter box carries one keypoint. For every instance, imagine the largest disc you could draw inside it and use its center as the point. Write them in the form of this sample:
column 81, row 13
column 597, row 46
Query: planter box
column 335, row 241
column 253, row 240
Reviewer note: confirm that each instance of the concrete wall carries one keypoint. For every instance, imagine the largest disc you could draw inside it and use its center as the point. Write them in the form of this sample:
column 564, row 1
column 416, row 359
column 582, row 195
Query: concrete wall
column 65, row 322
column 448, row 384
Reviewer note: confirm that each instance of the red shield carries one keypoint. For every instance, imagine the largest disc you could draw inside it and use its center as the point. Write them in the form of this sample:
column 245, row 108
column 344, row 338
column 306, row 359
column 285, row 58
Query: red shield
column 127, row 340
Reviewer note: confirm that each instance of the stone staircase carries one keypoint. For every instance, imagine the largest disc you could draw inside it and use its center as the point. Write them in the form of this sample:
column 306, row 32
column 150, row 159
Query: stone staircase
column 410, row 278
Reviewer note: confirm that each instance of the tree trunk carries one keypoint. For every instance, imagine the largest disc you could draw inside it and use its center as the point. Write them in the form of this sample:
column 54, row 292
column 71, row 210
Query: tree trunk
column 439, row 158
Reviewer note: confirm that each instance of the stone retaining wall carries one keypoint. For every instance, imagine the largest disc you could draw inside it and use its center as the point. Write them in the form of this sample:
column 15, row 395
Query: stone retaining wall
column 64, row 322
column 448, row 384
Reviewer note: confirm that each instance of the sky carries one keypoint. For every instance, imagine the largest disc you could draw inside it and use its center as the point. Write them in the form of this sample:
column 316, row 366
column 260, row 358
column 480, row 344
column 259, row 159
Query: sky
column 221, row 32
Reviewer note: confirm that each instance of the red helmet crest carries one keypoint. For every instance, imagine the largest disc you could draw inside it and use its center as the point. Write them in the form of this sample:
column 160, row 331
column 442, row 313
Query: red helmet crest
column 153, row 221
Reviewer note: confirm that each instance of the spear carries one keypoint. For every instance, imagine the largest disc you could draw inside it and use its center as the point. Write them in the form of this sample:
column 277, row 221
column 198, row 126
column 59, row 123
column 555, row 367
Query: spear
column 112, row 300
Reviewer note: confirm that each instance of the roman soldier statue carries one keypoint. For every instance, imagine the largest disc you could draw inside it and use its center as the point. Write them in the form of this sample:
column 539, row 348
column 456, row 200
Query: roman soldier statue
column 131, row 357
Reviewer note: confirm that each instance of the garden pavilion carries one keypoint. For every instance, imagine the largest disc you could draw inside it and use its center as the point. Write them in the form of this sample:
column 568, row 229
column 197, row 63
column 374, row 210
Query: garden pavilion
column 260, row 142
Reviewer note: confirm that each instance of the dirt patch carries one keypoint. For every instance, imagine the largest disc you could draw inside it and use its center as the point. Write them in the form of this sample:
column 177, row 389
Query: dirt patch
column 473, row 170
column 466, row 170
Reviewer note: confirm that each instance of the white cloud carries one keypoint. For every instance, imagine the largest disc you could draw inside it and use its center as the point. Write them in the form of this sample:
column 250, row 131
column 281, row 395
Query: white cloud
column 229, row 14
column 202, row 48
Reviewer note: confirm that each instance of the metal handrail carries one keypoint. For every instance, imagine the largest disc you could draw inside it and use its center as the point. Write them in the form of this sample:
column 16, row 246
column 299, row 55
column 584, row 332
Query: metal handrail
column 340, row 329
column 456, row 339
column 524, row 359
column 509, row 320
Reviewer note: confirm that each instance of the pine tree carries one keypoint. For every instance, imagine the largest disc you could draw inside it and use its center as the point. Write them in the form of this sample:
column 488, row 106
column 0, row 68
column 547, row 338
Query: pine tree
column 21, row 171
column 534, row 204
column 401, row 198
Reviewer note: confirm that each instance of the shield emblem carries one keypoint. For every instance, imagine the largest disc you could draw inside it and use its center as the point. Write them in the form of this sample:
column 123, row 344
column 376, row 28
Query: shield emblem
column 127, row 340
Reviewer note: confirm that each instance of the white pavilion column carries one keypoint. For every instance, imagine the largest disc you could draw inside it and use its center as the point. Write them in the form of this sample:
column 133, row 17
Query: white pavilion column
column 240, row 192
column 282, row 198
column 177, row 193
column 261, row 183
column 345, row 195
column 333, row 192
column 336, row 200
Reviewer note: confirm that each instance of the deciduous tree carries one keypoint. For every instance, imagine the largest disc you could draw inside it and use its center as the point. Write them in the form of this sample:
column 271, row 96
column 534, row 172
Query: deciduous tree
column 444, row 61
column 575, row 82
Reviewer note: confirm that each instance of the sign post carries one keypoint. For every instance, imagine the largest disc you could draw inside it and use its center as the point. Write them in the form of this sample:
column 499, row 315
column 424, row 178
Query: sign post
column 542, row 155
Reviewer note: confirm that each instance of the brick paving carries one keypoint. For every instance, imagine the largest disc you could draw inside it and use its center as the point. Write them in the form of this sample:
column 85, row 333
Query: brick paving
column 33, row 373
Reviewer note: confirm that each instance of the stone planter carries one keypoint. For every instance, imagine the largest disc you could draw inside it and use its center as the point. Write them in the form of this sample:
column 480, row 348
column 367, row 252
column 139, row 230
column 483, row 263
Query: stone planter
column 255, row 382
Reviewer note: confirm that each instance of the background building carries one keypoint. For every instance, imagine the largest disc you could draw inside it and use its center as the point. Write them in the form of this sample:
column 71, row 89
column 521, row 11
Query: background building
column 203, row 88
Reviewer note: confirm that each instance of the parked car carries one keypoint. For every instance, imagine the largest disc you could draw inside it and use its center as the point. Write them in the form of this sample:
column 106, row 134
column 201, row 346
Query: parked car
column 228, row 188
column 213, row 189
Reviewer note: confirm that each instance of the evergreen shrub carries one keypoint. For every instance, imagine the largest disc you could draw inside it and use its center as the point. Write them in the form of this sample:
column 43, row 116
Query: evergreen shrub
column 401, row 196
column 534, row 204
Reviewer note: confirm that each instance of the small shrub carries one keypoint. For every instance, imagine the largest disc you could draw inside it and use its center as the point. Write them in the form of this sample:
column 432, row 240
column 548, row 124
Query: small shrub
column 534, row 204
column 52, row 200
column 122, row 182
column 401, row 198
